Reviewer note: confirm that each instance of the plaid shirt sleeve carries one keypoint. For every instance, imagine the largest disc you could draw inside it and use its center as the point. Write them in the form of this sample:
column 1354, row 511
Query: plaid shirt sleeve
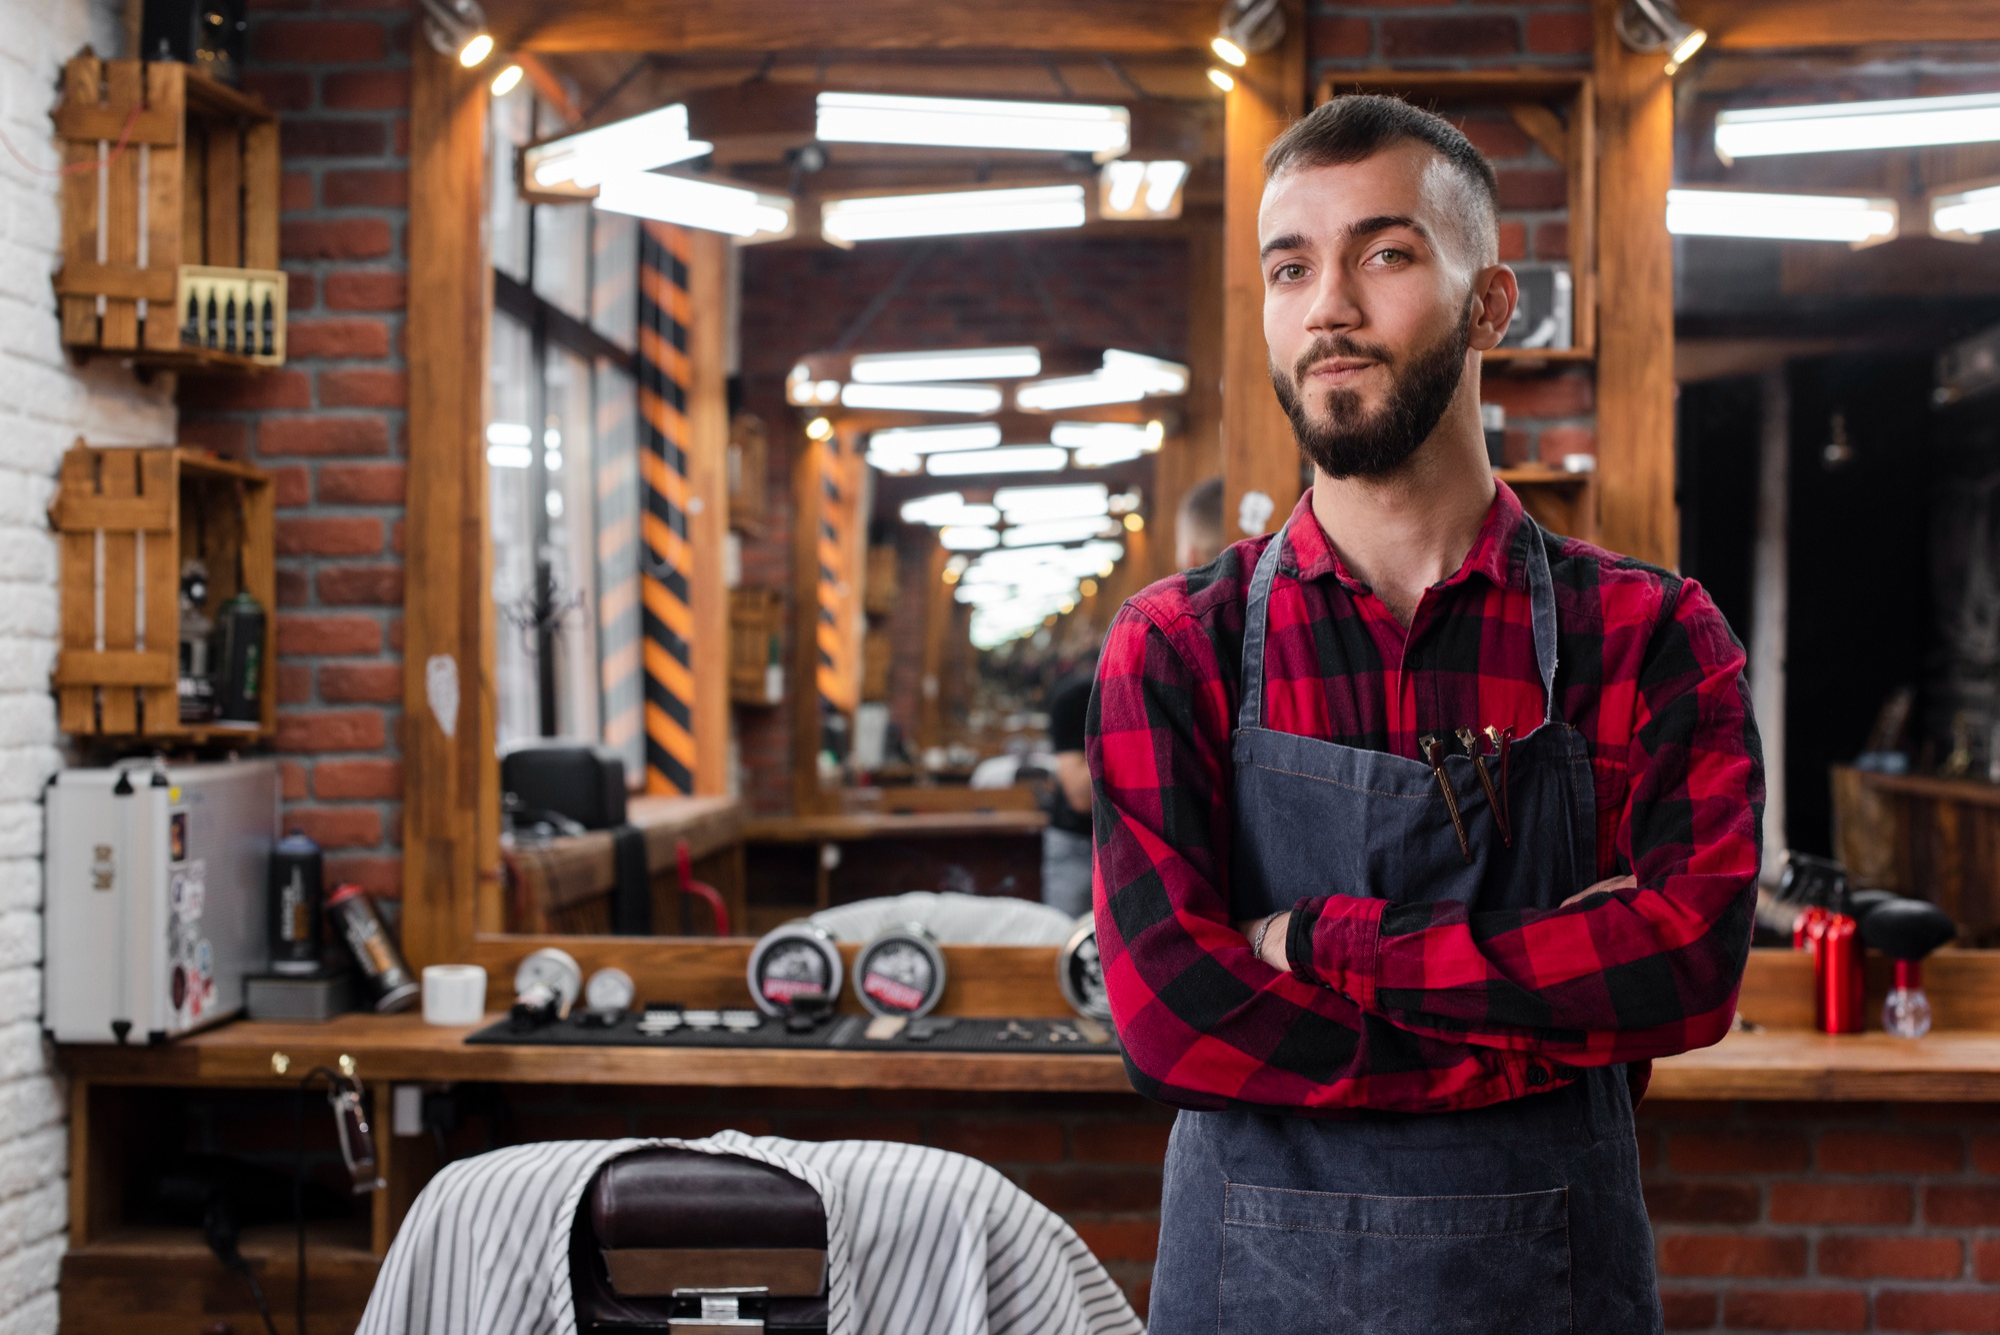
column 1204, row 1023
column 1617, row 977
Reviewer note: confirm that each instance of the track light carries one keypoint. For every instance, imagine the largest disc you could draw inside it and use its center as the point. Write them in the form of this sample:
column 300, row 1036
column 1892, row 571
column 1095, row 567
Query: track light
column 457, row 28
column 1249, row 28
column 1229, row 53
column 1221, row 80
column 506, row 81
column 1657, row 25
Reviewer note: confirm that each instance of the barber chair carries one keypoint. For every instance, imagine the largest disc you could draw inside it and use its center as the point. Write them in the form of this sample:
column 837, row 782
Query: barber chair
column 698, row 1244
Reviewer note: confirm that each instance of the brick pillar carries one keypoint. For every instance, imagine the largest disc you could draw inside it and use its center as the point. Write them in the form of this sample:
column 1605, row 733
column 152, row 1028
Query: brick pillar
column 330, row 424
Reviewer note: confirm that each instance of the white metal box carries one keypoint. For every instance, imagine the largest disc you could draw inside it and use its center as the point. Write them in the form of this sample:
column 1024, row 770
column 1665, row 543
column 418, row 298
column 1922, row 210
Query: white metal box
column 156, row 896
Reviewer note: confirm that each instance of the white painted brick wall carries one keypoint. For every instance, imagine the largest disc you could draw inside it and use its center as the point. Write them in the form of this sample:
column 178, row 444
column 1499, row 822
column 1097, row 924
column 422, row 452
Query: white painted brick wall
column 45, row 403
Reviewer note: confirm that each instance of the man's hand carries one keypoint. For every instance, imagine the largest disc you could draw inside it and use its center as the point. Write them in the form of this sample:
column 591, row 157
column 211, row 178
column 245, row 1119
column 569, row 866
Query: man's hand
column 1273, row 952
column 1612, row 884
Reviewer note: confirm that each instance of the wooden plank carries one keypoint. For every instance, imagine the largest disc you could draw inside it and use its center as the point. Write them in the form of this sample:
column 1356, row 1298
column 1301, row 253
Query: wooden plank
column 686, row 27
column 154, row 124
column 165, row 88
column 1258, row 451
column 127, row 667
column 1194, row 453
column 223, row 197
column 938, row 623
column 260, row 580
column 119, row 281
column 1635, row 337
column 194, row 195
column 113, row 513
column 120, row 478
column 1734, row 26
column 451, row 805
column 121, row 316
column 260, row 195
column 77, row 705
column 81, row 88
column 82, row 1224
column 708, row 506
column 1584, row 206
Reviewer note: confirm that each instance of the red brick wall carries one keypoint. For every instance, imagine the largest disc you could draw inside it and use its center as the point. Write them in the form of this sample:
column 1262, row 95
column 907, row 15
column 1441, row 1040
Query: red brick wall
column 1123, row 293
column 1548, row 414
column 1825, row 1216
column 330, row 424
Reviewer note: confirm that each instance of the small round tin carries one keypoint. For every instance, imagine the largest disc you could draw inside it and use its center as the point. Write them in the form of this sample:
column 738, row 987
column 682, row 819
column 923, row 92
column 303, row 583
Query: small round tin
column 1081, row 974
column 900, row 972
column 791, row 964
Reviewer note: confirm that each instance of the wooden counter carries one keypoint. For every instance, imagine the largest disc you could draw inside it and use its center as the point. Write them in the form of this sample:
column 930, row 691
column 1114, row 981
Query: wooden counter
column 1948, row 1066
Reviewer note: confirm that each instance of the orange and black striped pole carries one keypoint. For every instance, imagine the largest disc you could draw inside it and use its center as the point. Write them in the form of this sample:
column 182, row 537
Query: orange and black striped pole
column 666, row 559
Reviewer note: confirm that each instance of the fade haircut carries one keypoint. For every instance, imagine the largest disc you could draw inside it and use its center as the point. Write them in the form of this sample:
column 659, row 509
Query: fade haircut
column 1360, row 125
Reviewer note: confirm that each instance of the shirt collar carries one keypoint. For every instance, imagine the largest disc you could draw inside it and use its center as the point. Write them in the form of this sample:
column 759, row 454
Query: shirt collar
column 1493, row 552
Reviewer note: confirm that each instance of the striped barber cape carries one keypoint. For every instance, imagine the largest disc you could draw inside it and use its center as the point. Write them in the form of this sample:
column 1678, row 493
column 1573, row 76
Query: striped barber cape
column 919, row 1242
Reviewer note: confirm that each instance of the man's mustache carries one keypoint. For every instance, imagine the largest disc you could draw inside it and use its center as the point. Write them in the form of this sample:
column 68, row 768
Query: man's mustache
column 1337, row 345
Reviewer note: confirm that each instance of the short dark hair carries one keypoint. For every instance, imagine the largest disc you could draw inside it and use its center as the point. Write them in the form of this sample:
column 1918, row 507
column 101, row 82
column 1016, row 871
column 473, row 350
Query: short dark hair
column 1360, row 125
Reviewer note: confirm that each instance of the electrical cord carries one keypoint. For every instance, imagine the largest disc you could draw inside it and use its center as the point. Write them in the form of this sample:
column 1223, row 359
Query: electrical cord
column 218, row 1226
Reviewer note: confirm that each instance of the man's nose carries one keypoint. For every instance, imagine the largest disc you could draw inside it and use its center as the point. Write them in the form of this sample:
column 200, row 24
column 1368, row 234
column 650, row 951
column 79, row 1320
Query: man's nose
column 1333, row 308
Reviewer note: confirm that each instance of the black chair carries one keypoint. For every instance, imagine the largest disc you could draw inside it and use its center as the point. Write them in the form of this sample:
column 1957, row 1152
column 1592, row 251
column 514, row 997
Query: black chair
column 676, row 1235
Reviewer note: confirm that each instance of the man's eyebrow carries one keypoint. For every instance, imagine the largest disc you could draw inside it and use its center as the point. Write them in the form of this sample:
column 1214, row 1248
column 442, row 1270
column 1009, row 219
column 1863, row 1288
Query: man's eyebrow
column 1289, row 241
column 1382, row 222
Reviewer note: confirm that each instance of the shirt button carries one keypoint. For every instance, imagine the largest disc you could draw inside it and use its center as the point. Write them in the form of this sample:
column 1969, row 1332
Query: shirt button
column 1538, row 1075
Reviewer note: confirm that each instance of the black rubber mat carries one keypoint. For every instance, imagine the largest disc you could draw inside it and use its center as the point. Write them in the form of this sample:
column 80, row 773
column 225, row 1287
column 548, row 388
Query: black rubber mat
column 656, row 1028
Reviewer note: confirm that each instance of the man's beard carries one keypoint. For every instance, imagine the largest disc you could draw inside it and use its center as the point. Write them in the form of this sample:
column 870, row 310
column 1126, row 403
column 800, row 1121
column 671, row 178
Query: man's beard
column 1351, row 443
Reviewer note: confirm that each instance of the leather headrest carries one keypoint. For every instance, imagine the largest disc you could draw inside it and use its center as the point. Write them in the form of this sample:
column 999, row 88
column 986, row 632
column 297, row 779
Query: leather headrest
column 684, row 1198
column 1907, row 929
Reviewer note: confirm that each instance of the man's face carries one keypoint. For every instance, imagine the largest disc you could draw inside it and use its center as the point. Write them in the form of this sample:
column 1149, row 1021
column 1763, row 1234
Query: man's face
column 1368, row 304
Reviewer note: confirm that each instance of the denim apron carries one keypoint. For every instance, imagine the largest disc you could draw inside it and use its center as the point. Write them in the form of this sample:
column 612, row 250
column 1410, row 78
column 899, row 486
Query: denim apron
column 1520, row 1218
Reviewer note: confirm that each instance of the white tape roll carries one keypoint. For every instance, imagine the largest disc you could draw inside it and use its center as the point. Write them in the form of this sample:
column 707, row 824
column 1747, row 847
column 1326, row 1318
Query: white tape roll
column 454, row 994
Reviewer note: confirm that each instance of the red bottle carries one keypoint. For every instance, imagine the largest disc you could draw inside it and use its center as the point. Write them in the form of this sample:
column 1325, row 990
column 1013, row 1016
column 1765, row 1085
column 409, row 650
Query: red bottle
column 1837, row 976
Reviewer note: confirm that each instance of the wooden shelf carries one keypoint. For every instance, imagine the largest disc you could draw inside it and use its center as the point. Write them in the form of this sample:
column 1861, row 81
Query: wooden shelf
column 1943, row 1067
column 1528, row 361
column 187, row 359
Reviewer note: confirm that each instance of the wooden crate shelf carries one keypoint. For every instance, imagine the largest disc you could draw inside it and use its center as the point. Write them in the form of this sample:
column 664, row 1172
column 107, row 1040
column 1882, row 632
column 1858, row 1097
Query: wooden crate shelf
column 756, row 624
column 128, row 519
column 186, row 176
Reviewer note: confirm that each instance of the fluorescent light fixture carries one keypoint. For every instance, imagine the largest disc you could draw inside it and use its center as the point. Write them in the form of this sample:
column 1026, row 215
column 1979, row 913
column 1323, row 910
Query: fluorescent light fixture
column 509, row 456
column 948, row 507
column 1124, row 377
column 657, row 138
column 936, row 439
column 1054, row 530
column 1966, row 213
column 509, row 433
column 1105, row 453
column 892, row 462
column 967, row 538
column 923, row 398
column 1142, row 438
column 1130, row 189
column 1104, row 132
column 1780, row 217
column 1022, row 504
column 1007, row 459
column 1837, row 127
column 957, row 213
column 902, row 368
column 747, row 214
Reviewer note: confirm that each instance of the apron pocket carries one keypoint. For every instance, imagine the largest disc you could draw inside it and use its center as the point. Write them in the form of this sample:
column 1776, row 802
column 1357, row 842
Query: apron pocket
column 1312, row 1262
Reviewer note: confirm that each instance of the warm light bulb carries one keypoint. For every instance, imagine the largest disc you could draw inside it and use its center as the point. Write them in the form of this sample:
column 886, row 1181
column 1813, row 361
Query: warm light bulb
column 506, row 81
column 1229, row 52
column 1683, row 53
column 1221, row 80
column 819, row 429
column 1134, row 522
column 474, row 52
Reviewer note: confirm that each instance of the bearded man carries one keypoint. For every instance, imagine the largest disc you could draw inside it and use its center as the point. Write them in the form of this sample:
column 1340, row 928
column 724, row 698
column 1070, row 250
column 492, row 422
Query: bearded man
column 1419, row 830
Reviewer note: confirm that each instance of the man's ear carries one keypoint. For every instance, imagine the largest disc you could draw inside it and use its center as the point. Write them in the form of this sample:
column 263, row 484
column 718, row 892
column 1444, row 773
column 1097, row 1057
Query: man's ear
column 1495, row 294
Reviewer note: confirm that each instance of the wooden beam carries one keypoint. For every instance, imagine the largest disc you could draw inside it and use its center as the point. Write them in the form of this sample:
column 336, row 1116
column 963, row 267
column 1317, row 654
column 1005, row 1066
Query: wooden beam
column 1735, row 26
column 1258, row 451
column 1635, row 336
column 802, row 681
column 1193, row 454
column 689, row 26
column 936, row 601
column 451, row 806
column 708, row 504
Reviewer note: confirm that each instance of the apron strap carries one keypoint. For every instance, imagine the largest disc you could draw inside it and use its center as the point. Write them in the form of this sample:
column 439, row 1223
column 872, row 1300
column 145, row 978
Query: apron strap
column 1256, row 616
column 1542, row 599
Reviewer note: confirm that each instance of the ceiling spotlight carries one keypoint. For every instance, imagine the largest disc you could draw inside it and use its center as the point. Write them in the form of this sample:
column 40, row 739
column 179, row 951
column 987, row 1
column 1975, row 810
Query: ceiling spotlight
column 1221, row 80
column 1229, row 53
column 506, row 81
column 818, row 429
column 1657, row 25
column 1248, row 27
column 458, row 28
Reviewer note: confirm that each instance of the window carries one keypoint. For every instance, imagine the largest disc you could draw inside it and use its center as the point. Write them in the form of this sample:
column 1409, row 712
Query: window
column 561, row 450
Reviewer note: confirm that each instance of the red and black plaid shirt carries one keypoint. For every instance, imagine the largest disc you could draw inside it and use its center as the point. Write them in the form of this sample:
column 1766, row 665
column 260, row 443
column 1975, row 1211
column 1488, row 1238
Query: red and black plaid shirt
column 1422, row 1006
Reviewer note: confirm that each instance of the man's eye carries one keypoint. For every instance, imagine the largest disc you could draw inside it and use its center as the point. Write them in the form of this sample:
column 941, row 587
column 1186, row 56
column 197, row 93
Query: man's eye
column 1393, row 258
column 1286, row 273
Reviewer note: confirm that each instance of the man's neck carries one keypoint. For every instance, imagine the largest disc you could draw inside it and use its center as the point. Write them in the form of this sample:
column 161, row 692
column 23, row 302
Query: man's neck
column 1402, row 533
